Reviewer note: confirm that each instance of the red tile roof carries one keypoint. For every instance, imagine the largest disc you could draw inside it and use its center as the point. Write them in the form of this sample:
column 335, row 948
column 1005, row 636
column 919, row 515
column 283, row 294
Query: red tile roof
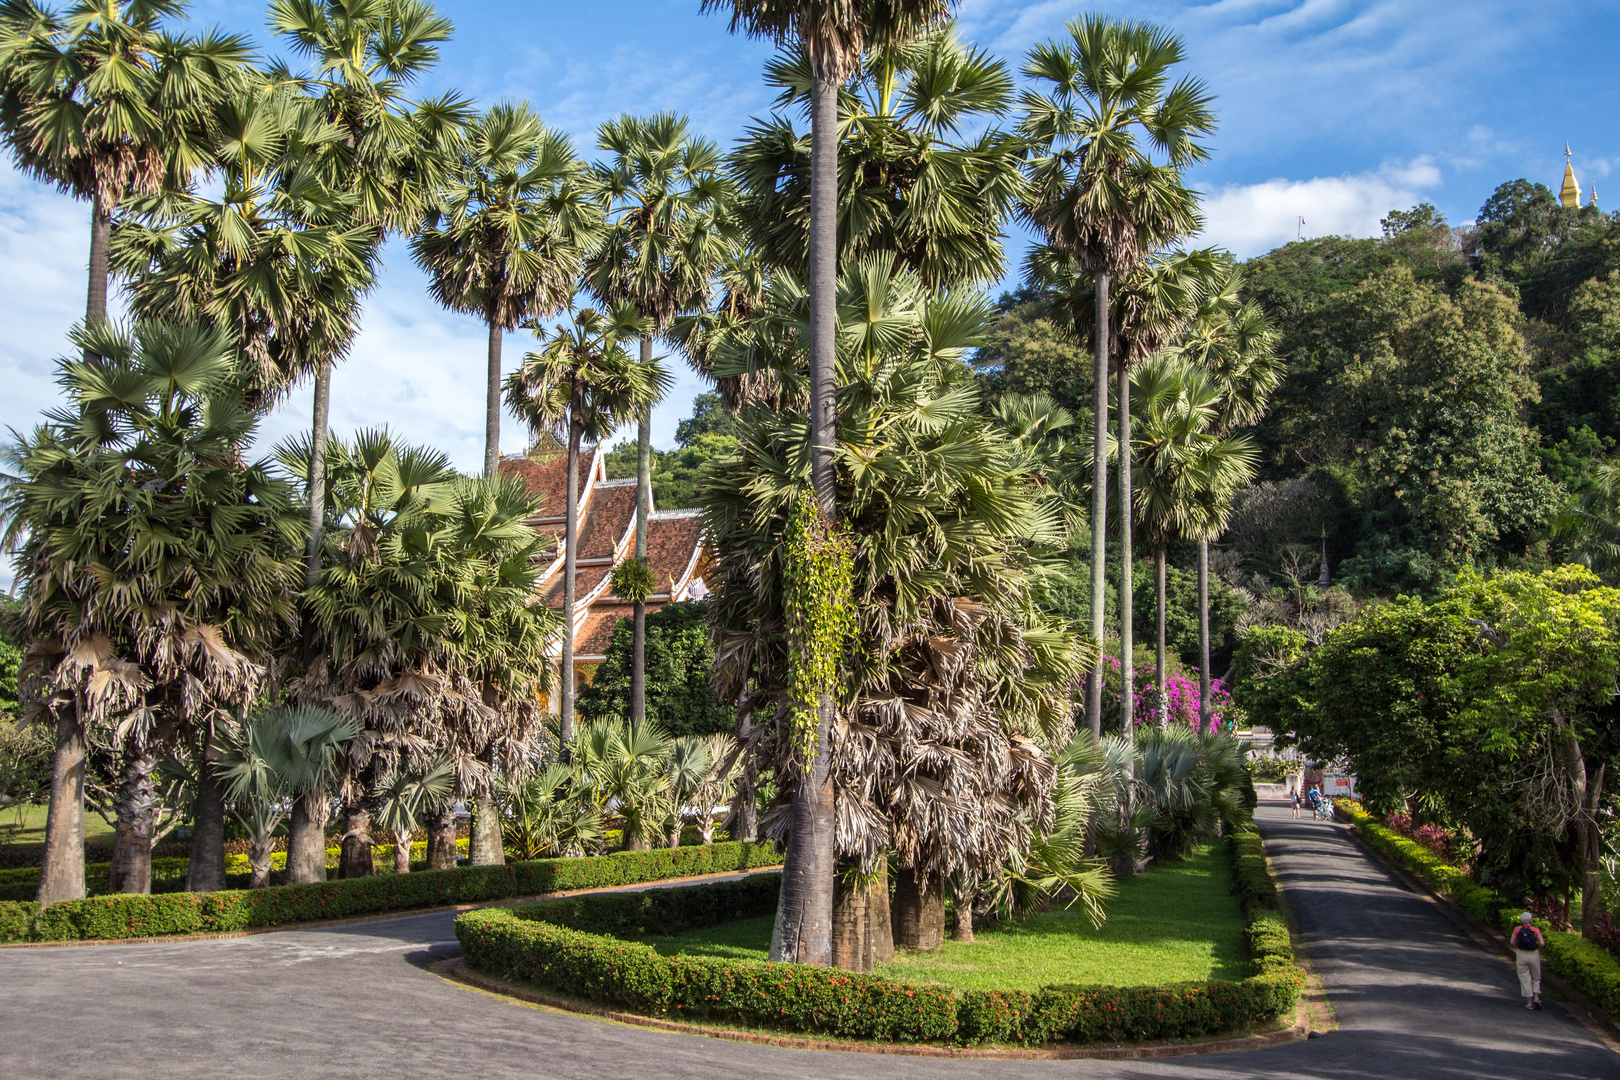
column 612, row 509
column 671, row 543
column 586, row 578
column 596, row 634
column 549, row 480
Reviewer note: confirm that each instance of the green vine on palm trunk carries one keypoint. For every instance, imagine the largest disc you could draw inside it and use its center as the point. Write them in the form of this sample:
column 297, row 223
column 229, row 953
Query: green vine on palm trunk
column 632, row 580
column 818, row 604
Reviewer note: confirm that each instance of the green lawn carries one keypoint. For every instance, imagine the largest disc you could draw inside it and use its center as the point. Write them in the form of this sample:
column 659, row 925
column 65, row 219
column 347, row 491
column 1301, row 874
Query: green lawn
column 32, row 819
column 1177, row 922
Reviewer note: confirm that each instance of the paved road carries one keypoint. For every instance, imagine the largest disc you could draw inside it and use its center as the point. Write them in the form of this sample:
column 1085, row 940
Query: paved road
column 1415, row 999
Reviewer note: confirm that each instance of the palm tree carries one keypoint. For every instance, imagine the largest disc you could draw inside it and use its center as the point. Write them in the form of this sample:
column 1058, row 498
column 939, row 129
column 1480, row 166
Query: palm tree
column 505, row 240
column 911, row 180
column 953, row 675
column 583, row 383
column 551, row 814
column 403, row 799
column 258, row 795
column 1103, row 201
column 1187, row 472
column 302, row 749
column 265, row 247
column 105, row 103
column 834, row 35
column 1234, row 341
column 625, row 769
column 395, row 153
column 155, row 573
column 665, row 198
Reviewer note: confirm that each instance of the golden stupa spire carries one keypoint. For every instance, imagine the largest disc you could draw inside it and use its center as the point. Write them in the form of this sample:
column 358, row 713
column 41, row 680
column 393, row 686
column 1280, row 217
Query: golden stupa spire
column 1570, row 196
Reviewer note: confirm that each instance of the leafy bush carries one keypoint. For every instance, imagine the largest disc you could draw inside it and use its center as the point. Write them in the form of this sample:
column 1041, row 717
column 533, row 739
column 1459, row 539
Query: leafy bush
column 1586, row 966
column 569, row 945
column 126, row 916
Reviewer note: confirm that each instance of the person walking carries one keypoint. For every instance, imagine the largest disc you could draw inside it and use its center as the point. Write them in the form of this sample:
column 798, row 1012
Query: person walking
column 1527, row 943
column 1293, row 798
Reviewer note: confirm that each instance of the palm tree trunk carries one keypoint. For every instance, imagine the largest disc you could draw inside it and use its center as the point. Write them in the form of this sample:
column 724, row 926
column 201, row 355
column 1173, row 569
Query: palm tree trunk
column 1127, row 635
column 356, row 858
column 306, row 839
column 61, row 870
column 565, row 706
column 206, row 872
column 317, row 471
column 919, row 915
column 962, row 914
column 803, row 931
column 1161, row 703
column 95, row 307
column 259, row 860
column 492, row 404
column 136, row 803
column 441, row 843
column 882, row 920
column 804, row 907
column 484, row 846
column 402, row 853
column 1099, row 507
column 852, row 924
column 638, row 641
column 1204, row 689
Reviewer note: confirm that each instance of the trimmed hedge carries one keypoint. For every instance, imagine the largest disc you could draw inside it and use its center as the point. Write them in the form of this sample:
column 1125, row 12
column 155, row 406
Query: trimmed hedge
column 22, row 882
column 133, row 915
column 1586, row 966
column 568, row 945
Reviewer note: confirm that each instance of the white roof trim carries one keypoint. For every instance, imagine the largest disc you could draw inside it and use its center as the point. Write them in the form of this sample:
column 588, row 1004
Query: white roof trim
column 674, row 515
column 619, row 483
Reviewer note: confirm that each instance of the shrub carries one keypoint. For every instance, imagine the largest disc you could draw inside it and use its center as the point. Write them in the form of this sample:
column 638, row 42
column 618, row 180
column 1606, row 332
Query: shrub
column 127, row 916
column 570, row 945
column 1586, row 966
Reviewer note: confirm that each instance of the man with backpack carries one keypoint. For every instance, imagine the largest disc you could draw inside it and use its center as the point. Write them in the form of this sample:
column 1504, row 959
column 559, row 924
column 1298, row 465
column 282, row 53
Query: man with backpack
column 1527, row 943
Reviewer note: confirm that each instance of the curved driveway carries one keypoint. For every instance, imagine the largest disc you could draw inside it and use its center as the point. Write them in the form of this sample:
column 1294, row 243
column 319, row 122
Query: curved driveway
column 1414, row 997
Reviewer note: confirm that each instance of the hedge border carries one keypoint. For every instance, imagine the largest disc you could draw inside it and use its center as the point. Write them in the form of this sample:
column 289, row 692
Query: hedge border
column 1586, row 967
column 567, row 946
column 127, row 916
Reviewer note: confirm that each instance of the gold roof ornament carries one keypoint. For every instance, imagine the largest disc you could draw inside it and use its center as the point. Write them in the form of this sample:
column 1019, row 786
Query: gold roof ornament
column 1593, row 203
column 1570, row 196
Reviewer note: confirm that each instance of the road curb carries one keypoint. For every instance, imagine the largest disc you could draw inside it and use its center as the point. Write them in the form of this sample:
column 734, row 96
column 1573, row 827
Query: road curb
column 455, row 970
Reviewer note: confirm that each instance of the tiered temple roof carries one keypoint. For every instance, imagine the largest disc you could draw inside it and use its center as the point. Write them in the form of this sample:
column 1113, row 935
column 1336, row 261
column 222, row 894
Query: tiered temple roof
column 607, row 535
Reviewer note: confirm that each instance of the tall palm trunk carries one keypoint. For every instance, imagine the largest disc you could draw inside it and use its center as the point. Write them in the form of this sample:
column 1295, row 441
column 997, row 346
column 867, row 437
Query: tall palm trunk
column 804, row 915
column 1127, row 635
column 95, row 307
column 137, row 806
column 1204, row 688
column 1099, row 506
column 206, row 872
column 1161, row 703
column 638, row 640
column 317, row 472
column 306, row 839
column 565, row 705
column 492, row 403
column 61, row 871
column 852, row 923
column 261, row 847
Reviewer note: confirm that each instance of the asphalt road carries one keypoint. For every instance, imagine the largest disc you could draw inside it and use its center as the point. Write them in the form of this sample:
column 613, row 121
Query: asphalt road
column 1414, row 997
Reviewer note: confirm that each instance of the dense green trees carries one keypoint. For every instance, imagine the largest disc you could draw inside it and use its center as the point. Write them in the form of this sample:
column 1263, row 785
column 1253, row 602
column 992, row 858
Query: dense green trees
column 679, row 656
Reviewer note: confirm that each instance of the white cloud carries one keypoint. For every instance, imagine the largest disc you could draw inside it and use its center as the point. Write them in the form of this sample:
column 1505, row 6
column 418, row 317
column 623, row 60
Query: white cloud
column 1249, row 219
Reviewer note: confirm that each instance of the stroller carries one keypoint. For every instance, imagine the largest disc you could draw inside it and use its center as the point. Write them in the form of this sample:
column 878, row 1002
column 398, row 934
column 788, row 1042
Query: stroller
column 1322, row 807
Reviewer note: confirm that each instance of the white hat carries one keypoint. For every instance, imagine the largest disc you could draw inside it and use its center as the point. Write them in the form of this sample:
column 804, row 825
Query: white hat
column 1526, row 918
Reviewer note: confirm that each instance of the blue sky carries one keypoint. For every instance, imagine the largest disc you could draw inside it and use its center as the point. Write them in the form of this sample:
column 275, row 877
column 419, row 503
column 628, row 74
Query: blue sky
column 1331, row 110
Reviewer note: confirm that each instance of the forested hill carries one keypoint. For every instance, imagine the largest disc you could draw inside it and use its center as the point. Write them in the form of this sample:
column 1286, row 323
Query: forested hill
column 1446, row 387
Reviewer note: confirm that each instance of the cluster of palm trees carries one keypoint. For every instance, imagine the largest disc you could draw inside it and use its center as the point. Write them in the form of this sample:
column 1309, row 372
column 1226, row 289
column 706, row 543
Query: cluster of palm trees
column 351, row 623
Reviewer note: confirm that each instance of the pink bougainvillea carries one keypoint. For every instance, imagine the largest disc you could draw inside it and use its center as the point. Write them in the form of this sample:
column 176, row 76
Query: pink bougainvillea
column 1181, row 691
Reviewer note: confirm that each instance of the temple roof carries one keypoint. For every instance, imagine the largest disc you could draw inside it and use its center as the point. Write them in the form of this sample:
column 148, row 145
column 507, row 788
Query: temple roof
column 607, row 516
